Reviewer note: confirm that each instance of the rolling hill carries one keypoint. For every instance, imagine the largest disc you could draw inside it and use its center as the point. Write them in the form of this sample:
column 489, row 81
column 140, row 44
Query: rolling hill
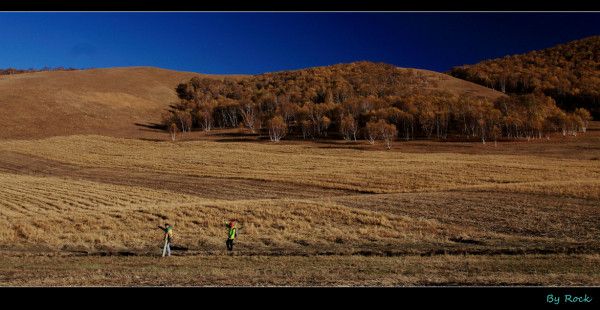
column 569, row 73
column 112, row 101
column 97, row 101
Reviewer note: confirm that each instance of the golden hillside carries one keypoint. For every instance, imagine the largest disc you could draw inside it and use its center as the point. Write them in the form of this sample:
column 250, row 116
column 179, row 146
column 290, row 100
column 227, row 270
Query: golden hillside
column 100, row 101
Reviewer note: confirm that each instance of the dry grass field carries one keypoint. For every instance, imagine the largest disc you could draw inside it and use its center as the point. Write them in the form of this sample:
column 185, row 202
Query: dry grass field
column 83, row 210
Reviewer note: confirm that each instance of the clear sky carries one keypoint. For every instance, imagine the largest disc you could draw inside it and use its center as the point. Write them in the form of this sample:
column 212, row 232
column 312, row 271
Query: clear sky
column 253, row 43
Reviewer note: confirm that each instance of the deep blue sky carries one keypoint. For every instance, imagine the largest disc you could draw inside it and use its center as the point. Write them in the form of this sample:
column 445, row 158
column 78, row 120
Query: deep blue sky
column 262, row 42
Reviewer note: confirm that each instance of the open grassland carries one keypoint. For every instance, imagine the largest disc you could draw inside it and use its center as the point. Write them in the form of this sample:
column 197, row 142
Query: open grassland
column 342, row 215
column 299, row 165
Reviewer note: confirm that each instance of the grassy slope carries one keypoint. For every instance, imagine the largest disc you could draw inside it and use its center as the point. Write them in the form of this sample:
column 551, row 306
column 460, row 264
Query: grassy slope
column 100, row 101
column 458, row 86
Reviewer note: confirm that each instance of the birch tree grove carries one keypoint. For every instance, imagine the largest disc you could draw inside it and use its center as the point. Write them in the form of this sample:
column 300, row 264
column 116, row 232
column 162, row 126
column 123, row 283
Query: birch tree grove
column 349, row 101
column 568, row 73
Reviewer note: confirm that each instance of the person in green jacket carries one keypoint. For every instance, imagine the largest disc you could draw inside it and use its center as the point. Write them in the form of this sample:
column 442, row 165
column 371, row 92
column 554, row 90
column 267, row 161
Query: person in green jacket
column 168, row 230
column 231, row 233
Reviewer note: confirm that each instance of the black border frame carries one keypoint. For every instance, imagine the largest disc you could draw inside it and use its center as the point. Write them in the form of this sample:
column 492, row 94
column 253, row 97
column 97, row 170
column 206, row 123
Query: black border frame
column 399, row 297
column 303, row 298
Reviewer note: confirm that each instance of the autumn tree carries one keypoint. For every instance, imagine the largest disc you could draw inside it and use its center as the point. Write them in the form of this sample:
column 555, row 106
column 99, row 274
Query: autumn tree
column 407, row 121
column 249, row 113
column 166, row 119
column 307, row 128
column 381, row 129
column 287, row 110
column 348, row 127
column 229, row 112
column 492, row 122
column 387, row 133
column 325, row 122
column 173, row 129
column 442, row 115
column 427, row 117
column 317, row 114
column 573, row 124
column 277, row 128
column 204, row 118
column 495, row 133
column 184, row 120
column 372, row 131
column 583, row 117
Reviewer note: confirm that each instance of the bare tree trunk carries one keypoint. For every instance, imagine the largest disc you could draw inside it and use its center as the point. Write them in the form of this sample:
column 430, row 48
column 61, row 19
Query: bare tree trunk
column 388, row 143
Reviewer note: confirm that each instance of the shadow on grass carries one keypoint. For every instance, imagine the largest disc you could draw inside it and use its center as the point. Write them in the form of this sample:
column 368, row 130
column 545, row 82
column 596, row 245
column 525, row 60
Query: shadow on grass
column 151, row 127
